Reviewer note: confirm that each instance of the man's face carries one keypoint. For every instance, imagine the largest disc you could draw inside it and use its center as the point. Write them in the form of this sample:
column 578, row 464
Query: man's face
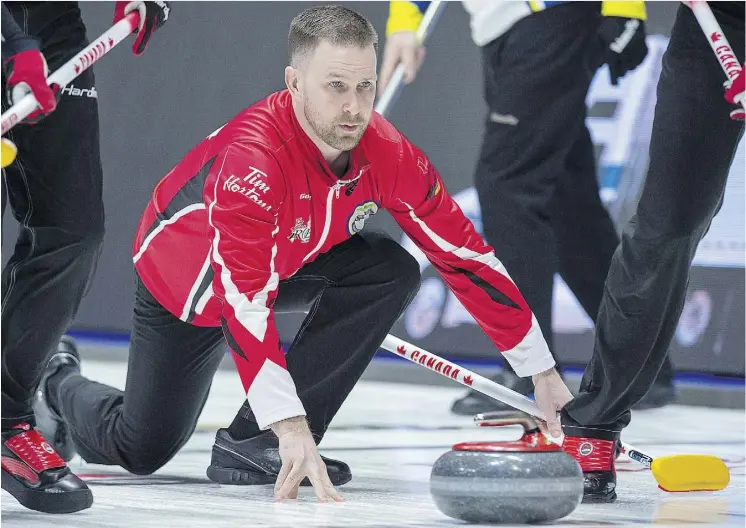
column 339, row 87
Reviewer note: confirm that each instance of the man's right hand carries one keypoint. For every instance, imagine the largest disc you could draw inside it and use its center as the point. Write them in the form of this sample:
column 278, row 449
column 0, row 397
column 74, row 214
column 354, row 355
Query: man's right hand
column 300, row 458
column 401, row 47
column 551, row 395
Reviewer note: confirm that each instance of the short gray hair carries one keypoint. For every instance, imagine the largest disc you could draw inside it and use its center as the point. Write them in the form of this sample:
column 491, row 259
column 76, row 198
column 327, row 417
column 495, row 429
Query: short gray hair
column 335, row 24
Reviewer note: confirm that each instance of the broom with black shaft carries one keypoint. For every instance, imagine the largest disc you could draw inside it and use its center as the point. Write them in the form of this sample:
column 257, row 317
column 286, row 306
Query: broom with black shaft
column 672, row 473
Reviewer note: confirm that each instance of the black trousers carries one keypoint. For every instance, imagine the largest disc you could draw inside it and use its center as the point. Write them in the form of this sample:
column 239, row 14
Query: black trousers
column 353, row 295
column 691, row 151
column 55, row 193
column 536, row 176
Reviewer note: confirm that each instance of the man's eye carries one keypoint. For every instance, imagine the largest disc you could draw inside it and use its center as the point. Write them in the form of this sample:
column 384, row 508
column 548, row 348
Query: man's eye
column 366, row 85
column 337, row 84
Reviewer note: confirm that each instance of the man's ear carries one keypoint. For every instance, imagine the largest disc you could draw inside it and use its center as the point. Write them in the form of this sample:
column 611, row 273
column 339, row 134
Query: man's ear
column 292, row 80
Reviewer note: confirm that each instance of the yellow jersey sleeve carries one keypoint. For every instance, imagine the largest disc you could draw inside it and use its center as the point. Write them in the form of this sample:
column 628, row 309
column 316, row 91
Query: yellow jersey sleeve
column 624, row 9
column 404, row 16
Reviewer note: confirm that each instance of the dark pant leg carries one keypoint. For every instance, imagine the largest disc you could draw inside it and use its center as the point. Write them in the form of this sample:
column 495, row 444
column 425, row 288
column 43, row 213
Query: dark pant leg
column 55, row 192
column 536, row 78
column 353, row 294
column 3, row 194
column 169, row 373
column 691, row 151
column 585, row 234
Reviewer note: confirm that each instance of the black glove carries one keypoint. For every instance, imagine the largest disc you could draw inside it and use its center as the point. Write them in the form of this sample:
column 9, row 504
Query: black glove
column 624, row 45
column 152, row 16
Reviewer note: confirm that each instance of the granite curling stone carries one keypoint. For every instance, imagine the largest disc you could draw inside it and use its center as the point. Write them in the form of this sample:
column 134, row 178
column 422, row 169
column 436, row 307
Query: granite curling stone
column 527, row 481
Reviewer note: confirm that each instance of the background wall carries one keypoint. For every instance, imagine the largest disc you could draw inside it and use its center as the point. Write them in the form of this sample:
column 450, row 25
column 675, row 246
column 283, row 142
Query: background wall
column 214, row 58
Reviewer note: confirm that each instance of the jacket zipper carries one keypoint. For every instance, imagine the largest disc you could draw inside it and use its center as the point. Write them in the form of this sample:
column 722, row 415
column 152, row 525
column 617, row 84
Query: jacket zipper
column 333, row 191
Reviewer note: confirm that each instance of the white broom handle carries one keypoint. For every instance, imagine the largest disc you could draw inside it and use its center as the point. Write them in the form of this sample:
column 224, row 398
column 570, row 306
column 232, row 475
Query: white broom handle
column 461, row 375
column 716, row 38
column 391, row 93
column 73, row 68
column 470, row 379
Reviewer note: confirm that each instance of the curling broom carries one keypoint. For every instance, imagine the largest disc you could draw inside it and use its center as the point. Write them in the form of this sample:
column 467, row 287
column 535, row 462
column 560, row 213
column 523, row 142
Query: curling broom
column 64, row 75
column 672, row 473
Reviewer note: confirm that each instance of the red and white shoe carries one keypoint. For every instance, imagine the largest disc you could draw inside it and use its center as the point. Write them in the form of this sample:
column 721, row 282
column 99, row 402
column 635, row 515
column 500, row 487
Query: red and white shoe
column 596, row 458
column 37, row 476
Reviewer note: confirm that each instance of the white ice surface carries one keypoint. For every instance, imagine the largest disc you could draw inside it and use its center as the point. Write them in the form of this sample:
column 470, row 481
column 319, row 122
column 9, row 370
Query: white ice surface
column 390, row 434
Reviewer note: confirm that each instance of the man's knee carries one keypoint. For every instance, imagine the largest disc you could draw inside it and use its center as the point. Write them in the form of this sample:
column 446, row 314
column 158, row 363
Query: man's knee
column 409, row 272
column 90, row 234
column 402, row 269
column 81, row 239
column 686, row 225
column 148, row 458
column 143, row 466
column 148, row 452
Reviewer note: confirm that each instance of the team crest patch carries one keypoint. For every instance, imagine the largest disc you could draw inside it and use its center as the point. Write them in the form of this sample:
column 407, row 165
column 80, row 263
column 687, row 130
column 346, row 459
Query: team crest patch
column 301, row 231
column 360, row 215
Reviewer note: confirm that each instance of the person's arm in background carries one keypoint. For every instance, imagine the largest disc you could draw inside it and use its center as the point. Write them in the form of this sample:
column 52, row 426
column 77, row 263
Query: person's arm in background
column 401, row 41
column 622, row 33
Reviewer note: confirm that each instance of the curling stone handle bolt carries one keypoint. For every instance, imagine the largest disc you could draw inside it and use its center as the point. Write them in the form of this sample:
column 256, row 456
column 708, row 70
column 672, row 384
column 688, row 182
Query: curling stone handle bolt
column 500, row 418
